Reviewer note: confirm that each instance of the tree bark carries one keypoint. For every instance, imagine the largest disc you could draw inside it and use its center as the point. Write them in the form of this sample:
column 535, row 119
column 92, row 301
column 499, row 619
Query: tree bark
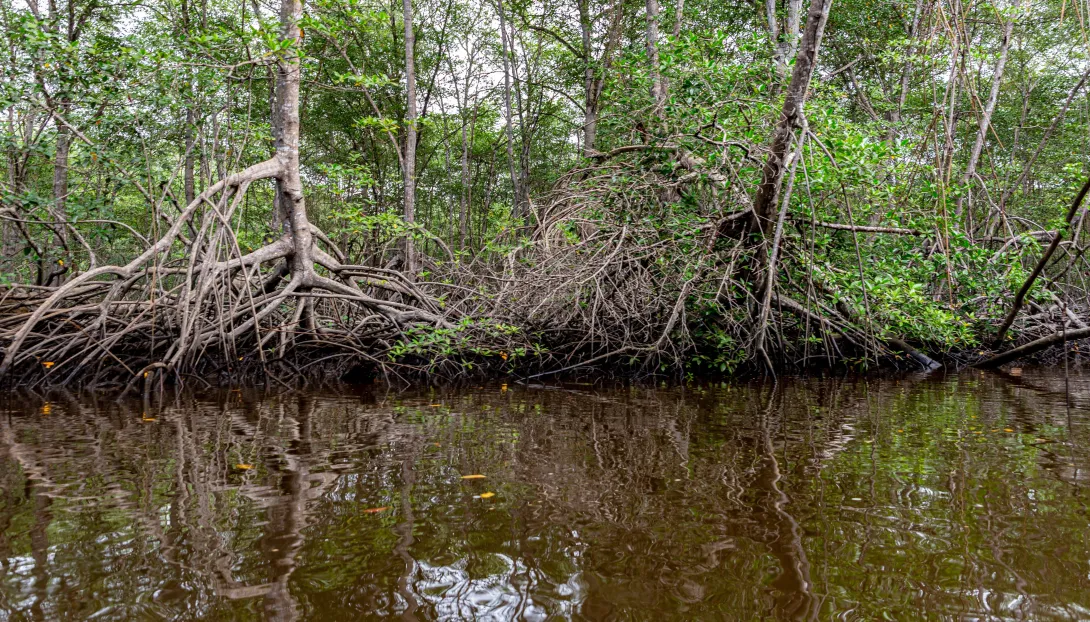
column 60, row 170
column 506, row 45
column 190, row 157
column 986, row 116
column 290, row 186
column 594, row 73
column 658, row 93
column 791, row 116
column 590, row 101
column 410, row 138
column 785, row 41
column 679, row 15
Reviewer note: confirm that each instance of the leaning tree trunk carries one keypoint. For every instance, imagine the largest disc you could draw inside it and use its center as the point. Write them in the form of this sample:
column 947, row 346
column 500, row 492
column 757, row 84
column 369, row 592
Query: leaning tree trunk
column 791, row 116
column 772, row 175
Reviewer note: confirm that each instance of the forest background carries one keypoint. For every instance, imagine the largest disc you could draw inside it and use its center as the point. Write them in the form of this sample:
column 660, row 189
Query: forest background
column 460, row 186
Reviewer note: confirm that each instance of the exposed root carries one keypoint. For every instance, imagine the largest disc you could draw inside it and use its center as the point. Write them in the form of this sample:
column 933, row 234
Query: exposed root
column 202, row 306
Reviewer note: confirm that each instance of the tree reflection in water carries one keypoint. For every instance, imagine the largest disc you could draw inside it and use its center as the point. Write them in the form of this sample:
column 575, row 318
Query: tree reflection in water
column 914, row 497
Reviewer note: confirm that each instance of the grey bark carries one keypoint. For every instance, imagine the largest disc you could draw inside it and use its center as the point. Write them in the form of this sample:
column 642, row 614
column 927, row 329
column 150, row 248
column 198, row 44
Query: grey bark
column 658, row 93
column 986, row 116
column 785, row 42
column 290, row 184
column 506, row 47
column 590, row 103
column 410, row 137
column 791, row 116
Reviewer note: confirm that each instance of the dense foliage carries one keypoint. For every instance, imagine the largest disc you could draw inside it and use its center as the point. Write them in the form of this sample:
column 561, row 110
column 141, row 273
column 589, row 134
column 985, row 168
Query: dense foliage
column 589, row 174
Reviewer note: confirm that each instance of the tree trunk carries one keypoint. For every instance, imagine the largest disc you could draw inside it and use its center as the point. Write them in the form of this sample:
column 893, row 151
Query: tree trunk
column 658, row 93
column 190, row 156
column 679, row 15
column 60, row 181
column 785, row 42
column 590, row 99
column 791, row 116
column 467, row 182
column 986, row 116
column 410, row 137
column 290, row 184
column 506, row 47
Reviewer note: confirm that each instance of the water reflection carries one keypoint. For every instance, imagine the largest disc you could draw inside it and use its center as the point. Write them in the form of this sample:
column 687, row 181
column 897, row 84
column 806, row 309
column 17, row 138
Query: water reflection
column 919, row 497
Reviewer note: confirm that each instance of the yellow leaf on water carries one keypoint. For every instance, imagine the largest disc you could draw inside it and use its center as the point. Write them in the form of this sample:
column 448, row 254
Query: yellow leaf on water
column 503, row 387
column 1008, row 430
column 487, row 495
column 376, row 510
column 244, row 467
column 435, row 405
column 47, row 408
column 477, row 476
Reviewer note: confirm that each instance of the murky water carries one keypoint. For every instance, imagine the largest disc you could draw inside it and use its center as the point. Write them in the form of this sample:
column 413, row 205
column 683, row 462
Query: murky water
column 962, row 497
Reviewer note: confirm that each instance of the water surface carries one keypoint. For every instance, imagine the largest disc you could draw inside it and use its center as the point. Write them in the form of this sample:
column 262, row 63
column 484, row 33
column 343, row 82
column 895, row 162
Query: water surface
column 959, row 497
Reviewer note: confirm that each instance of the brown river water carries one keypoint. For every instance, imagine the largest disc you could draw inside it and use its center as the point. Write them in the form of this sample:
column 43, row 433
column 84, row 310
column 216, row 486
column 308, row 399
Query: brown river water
column 961, row 497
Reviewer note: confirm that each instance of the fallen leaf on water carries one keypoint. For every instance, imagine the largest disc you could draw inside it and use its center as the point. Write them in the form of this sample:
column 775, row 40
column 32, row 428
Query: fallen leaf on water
column 376, row 510
column 477, row 476
column 244, row 467
column 900, row 431
column 436, row 444
column 487, row 495
column 503, row 387
column 47, row 408
column 1008, row 430
column 435, row 405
